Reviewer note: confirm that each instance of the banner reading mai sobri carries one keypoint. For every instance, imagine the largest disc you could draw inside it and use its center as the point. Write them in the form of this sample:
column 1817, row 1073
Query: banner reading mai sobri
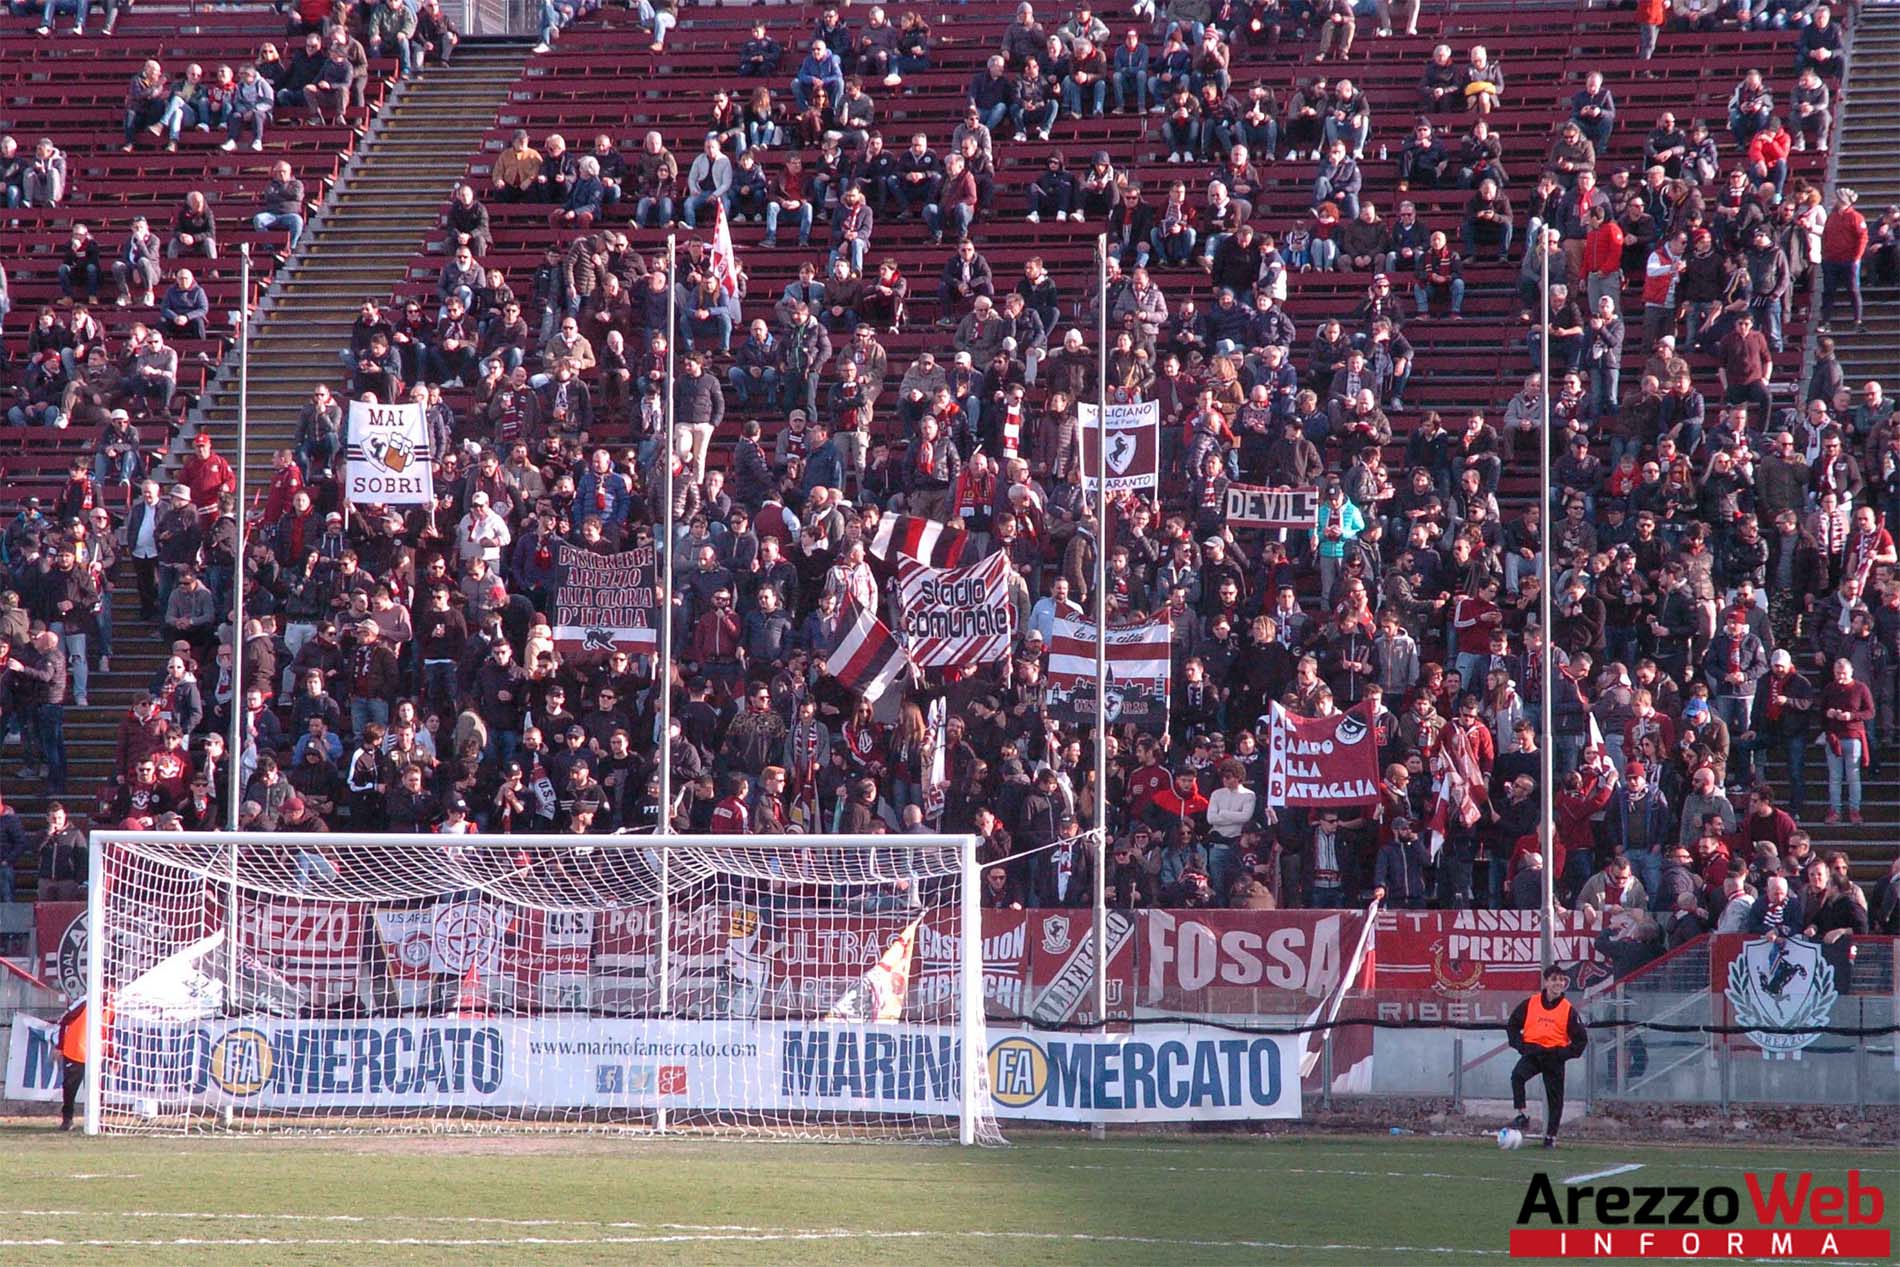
column 1172, row 1073
column 389, row 460
column 604, row 602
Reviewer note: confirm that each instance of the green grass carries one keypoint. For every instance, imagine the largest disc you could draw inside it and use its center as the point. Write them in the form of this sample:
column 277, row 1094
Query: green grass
column 1047, row 1198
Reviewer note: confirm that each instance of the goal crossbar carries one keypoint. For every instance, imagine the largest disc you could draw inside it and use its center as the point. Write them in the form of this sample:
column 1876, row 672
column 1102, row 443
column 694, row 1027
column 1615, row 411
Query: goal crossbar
column 225, row 844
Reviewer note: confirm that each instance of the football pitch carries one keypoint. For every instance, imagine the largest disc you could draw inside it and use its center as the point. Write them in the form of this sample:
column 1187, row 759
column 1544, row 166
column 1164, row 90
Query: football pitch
column 1046, row 1198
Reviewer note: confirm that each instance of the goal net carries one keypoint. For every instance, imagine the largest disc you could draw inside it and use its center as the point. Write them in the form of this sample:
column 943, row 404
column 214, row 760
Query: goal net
column 819, row 987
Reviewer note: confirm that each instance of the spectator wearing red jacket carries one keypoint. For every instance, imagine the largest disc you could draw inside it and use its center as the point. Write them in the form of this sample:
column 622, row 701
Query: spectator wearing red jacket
column 1180, row 803
column 1768, row 154
column 1603, row 257
column 207, row 475
column 1843, row 242
column 286, row 478
column 1583, row 796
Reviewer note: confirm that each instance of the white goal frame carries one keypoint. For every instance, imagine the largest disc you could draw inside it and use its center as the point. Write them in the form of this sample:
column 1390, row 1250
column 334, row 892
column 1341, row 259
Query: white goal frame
column 974, row 1080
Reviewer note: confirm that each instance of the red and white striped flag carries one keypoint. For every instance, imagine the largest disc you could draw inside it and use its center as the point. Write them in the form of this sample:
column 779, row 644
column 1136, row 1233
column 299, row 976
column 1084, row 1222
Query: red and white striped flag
column 1595, row 756
column 1457, row 776
column 956, row 617
column 869, row 658
column 925, row 540
column 724, row 264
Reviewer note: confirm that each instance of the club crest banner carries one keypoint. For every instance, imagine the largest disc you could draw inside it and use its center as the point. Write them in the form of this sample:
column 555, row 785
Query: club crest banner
column 1139, row 664
column 389, row 460
column 1134, row 444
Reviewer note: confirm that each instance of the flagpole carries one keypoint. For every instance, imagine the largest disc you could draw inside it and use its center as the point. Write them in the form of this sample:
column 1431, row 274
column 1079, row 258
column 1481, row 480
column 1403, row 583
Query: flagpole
column 1547, row 829
column 235, row 757
column 1100, row 898
column 663, row 665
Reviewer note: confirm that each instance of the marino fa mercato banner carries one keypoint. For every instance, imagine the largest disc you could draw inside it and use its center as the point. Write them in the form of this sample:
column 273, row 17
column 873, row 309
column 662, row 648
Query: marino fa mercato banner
column 1180, row 1073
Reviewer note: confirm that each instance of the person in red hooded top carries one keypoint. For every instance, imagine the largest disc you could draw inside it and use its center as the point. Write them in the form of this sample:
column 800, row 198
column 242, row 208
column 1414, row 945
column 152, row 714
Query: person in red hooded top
column 1179, row 803
column 286, row 478
column 1583, row 795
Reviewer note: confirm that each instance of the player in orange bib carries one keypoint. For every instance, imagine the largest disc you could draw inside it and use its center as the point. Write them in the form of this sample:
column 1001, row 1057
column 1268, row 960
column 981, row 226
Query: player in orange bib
column 1547, row 1032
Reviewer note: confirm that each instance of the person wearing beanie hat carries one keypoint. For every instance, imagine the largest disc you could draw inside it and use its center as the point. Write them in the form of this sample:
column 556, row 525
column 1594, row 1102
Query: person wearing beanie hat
column 1734, row 663
column 1640, row 824
column 1053, row 192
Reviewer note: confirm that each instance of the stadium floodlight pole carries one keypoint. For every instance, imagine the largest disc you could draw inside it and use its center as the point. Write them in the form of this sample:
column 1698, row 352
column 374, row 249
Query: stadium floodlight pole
column 1547, row 828
column 1099, row 900
column 235, row 757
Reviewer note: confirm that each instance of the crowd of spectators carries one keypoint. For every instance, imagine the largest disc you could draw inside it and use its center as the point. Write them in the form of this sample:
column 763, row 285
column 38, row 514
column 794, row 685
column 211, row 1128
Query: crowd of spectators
column 1722, row 566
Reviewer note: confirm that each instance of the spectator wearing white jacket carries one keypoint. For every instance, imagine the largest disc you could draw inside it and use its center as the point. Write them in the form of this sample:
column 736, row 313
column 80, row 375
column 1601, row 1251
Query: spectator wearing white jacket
column 1230, row 807
column 708, row 180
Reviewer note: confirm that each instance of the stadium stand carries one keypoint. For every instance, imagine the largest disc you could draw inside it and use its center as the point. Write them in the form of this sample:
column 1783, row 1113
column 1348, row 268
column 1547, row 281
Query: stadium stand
column 1467, row 353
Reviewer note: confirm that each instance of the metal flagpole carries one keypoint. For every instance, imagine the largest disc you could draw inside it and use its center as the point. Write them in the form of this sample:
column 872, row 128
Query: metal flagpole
column 1547, row 829
column 236, row 753
column 663, row 538
column 663, row 664
column 234, row 757
column 1100, row 899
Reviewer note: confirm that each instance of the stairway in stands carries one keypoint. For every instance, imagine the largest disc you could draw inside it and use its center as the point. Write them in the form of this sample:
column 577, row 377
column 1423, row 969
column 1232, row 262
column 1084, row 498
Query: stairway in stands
column 360, row 244
column 1868, row 138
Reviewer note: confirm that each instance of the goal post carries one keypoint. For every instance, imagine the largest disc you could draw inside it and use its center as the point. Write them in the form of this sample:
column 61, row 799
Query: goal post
column 809, row 987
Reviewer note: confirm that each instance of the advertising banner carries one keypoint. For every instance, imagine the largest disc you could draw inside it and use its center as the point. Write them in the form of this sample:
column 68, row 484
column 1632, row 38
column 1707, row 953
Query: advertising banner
column 389, row 461
column 33, row 1062
column 604, row 602
column 1173, row 1073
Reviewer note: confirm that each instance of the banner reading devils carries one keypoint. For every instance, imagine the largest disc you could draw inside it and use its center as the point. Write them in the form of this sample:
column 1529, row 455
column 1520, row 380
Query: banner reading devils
column 1332, row 760
column 604, row 602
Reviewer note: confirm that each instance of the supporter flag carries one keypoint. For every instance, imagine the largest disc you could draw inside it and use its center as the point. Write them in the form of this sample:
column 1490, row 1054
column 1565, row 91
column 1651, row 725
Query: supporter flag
column 1596, row 757
column 869, row 657
column 1322, row 761
column 956, row 617
column 1134, row 444
column 1139, row 666
column 878, row 995
column 1457, row 776
column 724, row 264
column 925, row 540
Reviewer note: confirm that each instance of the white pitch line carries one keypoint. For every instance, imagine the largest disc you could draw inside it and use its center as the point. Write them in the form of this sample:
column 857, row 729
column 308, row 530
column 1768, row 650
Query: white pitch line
column 840, row 1234
column 1605, row 1174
